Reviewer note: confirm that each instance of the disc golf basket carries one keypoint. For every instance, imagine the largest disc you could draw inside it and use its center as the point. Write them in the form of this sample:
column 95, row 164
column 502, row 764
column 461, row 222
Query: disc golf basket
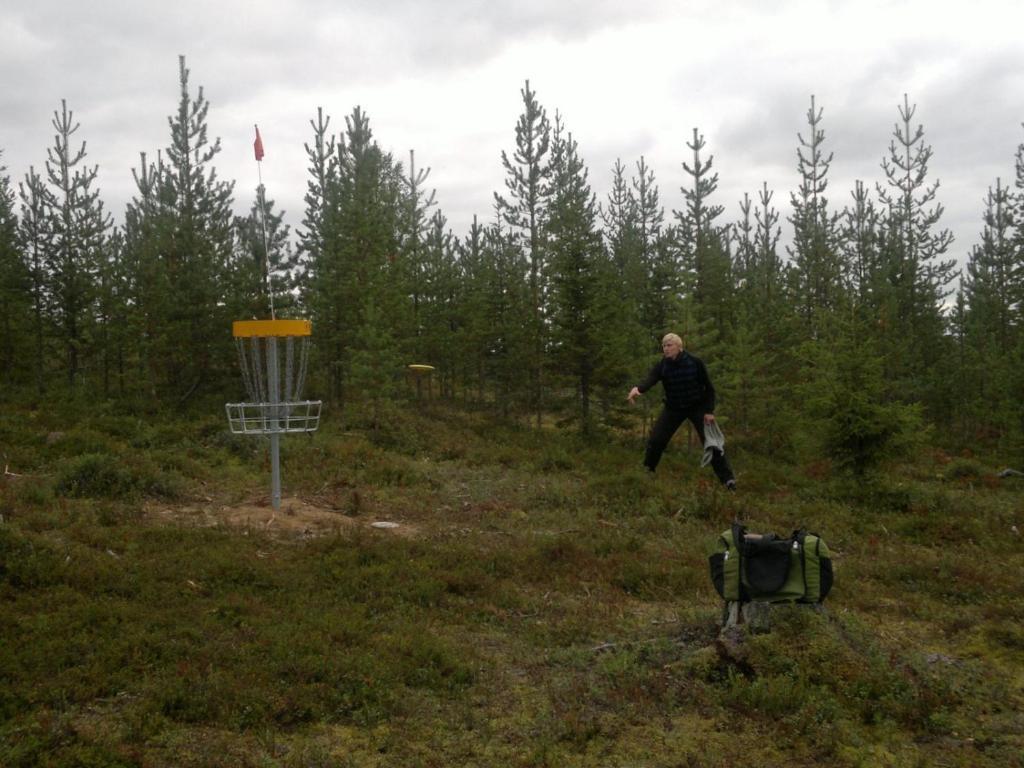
column 273, row 356
column 419, row 371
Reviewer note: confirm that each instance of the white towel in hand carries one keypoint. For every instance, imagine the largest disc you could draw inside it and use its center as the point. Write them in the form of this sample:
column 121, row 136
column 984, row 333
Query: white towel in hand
column 713, row 440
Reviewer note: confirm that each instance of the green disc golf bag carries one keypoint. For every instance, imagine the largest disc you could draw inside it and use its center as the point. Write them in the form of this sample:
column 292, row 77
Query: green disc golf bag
column 765, row 568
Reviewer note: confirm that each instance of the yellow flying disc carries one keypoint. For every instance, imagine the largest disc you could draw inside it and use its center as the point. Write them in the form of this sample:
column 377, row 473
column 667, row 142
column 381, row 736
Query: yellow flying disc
column 420, row 368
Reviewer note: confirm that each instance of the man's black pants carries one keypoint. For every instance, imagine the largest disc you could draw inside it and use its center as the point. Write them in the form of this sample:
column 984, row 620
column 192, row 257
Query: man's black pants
column 666, row 426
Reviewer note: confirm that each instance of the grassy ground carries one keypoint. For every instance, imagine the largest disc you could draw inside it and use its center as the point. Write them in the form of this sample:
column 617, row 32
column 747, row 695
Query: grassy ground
column 544, row 603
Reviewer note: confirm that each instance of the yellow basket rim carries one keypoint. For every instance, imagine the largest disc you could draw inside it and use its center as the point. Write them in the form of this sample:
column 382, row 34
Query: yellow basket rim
column 244, row 329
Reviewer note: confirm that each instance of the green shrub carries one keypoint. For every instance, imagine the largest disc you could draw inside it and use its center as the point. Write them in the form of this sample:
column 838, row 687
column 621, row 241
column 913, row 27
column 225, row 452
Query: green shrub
column 105, row 476
column 27, row 562
column 554, row 458
column 33, row 492
column 80, row 441
column 963, row 469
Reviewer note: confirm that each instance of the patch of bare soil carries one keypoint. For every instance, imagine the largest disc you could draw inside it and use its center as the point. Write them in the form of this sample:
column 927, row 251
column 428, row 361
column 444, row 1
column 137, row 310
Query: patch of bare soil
column 297, row 518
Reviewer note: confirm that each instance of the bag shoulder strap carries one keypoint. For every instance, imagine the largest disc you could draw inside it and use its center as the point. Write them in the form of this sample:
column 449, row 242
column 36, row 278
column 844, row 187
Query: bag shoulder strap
column 799, row 536
column 739, row 533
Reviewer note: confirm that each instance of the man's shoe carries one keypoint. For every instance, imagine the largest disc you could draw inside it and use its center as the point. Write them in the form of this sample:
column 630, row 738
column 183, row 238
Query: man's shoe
column 730, row 485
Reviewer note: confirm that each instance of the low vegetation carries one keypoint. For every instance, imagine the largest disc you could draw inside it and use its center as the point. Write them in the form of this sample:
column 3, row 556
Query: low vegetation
column 542, row 603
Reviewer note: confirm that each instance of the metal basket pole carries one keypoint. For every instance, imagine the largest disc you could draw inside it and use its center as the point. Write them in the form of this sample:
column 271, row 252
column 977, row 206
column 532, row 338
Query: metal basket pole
column 274, row 391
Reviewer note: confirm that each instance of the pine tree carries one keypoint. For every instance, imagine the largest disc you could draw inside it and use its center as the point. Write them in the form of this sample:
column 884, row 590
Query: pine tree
column 817, row 270
column 179, row 240
column 704, row 253
column 1016, row 426
column 755, row 378
column 860, row 238
column 768, row 268
column 112, row 308
column 323, row 172
column 749, row 380
column 360, row 236
column 627, row 231
column 15, row 308
column 660, row 305
column 79, row 226
column 473, row 265
column 375, row 361
column 440, row 311
column 506, row 299
column 964, row 364
column 845, row 395
column 579, row 277
column 989, row 283
column 37, row 240
column 912, row 251
column 988, row 330
column 619, row 214
column 263, row 231
column 148, row 232
column 1016, row 276
column 524, row 212
column 417, row 204
column 745, row 255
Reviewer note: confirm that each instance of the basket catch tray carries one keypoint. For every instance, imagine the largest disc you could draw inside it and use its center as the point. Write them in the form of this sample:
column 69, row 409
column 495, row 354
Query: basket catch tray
column 273, row 418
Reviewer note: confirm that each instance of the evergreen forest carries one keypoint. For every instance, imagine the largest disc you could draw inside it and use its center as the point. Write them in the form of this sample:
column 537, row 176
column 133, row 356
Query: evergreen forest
column 550, row 306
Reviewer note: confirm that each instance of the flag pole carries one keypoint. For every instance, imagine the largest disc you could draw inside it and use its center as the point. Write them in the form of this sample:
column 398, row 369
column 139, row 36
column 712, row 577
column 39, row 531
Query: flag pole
column 261, row 196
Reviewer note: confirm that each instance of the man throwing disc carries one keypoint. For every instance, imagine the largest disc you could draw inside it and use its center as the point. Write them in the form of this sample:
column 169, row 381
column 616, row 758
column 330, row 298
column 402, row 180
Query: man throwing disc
column 689, row 395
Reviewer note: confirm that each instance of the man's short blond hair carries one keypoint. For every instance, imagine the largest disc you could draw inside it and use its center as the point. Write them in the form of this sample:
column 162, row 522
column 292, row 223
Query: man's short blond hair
column 672, row 337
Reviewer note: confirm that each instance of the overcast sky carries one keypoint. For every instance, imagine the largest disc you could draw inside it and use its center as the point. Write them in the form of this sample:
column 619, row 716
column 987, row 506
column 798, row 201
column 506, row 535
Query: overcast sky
column 630, row 79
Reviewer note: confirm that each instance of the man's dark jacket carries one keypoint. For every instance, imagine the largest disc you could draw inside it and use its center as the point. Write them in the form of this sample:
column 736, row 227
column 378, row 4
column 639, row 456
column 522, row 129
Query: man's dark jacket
column 686, row 382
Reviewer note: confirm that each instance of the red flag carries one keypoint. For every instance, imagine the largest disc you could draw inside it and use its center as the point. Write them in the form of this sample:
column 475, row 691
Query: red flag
column 257, row 146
